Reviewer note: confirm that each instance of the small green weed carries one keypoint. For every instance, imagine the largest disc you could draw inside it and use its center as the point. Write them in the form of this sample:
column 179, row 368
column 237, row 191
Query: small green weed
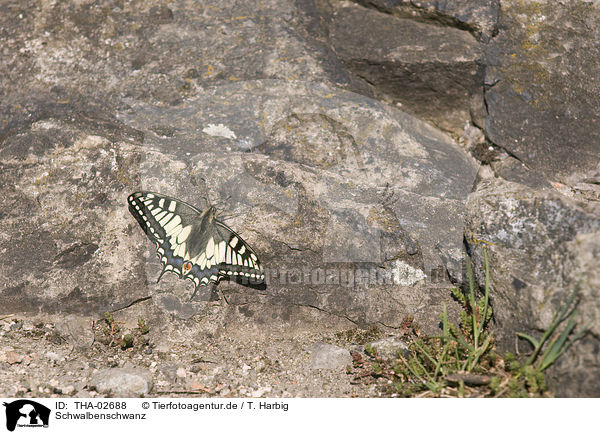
column 462, row 361
column 113, row 336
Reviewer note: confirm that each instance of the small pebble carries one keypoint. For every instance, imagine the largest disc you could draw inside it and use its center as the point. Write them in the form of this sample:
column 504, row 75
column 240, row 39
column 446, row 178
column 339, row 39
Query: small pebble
column 68, row 390
column 13, row 357
column 51, row 355
column 124, row 382
column 258, row 393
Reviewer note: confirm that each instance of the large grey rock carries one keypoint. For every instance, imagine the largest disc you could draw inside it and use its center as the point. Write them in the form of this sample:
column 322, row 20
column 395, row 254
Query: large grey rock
column 431, row 70
column 335, row 182
column 220, row 101
column 541, row 247
column 480, row 17
column 576, row 374
column 77, row 64
column 318, row 179
column 353, row 206
column 542, row 83
column 76, row 61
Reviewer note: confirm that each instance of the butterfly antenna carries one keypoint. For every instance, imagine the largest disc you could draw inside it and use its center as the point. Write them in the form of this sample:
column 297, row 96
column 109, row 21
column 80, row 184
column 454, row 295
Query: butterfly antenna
column 206, row 199
column 205, row 195
column 229, row 216
column 220, row 204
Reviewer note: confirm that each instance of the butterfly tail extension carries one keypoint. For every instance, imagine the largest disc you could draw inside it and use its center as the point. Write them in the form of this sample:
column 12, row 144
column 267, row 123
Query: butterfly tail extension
column 195, row 292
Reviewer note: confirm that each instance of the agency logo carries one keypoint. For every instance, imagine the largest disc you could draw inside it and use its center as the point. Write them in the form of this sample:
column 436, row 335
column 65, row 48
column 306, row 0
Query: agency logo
column 26, row 413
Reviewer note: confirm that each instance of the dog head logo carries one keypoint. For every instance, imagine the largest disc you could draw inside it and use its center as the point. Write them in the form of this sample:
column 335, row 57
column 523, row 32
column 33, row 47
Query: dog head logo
column 26, row 413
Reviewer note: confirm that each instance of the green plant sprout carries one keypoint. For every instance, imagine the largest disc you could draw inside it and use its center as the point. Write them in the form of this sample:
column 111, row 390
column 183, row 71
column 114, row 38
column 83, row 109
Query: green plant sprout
column 463, row 361
column 560, row 343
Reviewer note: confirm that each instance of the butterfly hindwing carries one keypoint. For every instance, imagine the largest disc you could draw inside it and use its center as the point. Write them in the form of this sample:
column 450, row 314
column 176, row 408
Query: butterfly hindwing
column 238, row 260
column 193, row 244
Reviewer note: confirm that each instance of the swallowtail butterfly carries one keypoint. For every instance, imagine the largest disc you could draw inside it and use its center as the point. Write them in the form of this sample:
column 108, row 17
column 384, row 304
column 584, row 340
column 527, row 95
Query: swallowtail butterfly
column 193, row 244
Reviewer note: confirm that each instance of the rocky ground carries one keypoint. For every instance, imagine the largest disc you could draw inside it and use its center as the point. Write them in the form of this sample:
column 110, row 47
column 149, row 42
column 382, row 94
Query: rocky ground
column 380, row 139
column 74, row 357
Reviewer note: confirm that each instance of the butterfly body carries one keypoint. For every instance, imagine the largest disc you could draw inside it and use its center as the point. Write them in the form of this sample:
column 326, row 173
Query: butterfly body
column 194, row 244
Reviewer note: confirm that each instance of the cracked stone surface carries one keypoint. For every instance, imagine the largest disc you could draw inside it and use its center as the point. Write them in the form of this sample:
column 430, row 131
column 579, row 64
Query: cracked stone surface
column 352, row 235
column 542, row 86
column 542, row 246
column 292, row 127
column 354, row 207
column 430, row 70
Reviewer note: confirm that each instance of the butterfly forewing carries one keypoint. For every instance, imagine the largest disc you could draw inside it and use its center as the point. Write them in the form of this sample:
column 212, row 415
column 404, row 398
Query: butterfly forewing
column 193, row 244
